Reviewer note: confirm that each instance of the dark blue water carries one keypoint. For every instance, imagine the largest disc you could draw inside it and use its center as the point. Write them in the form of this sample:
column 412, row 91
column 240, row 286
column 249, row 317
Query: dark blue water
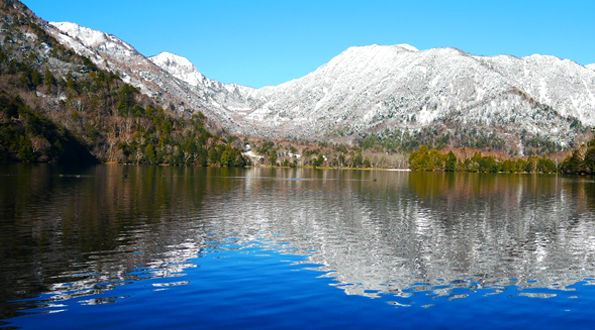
column 180, row 248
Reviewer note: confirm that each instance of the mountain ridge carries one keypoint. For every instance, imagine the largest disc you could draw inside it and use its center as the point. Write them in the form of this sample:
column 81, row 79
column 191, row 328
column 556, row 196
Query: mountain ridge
column 366, row 89
column 113, row 54
column 59, row 106
column 180, row 67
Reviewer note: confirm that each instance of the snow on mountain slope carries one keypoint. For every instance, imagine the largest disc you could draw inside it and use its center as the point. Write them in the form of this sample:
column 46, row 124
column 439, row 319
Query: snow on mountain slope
column 372, row 88
column 94, row 39
column 110, row 53
column 562, row 84
column 231, row 95
column 590, row 66
column 408, row 47
column 180, row 68
column 105, row 50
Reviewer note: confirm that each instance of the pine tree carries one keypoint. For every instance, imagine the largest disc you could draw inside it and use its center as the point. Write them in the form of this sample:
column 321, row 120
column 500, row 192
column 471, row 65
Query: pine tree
column 273, row 157
column 150, row 153
column 451, row 162
column 25, row 149
column 213, row 156
column 367, row 163
column 36, row 77
column 589, row 161
column 49, row 79
column 358, row 160
column 226, row 156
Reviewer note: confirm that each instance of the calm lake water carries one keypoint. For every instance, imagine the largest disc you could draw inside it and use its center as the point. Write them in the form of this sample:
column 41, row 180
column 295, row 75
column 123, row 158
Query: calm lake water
column 124, row 247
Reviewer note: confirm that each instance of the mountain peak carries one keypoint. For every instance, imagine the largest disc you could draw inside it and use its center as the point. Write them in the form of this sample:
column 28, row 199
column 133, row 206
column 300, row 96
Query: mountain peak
column 87, row 36
column 377, row 48
column 376, row 53
column 93, row 37
column 180, row 67
column 408, row 47
column 169, row 59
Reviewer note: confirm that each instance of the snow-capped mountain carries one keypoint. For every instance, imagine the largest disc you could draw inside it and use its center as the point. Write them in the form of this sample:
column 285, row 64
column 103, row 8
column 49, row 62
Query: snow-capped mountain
column 590, row 66
column 562, row 84
column 105, row 50
column 230, row 95
column 377, row 87
column 371, row 88
column 111, row 53
column 181, row 68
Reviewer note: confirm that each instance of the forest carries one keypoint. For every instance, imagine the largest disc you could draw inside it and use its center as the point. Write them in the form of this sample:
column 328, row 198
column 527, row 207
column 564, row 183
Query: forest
column 580, row 161
column 56, row 106
column 59, row 107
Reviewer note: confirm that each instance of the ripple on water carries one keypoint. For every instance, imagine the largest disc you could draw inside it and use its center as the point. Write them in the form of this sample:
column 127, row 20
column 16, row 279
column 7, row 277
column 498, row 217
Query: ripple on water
column 237, row 243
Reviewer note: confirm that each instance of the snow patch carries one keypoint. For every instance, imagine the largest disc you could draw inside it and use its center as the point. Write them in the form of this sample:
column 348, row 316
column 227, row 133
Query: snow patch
column 408, row 47
column 181, row 68
column 87, row 36
column 31, row 36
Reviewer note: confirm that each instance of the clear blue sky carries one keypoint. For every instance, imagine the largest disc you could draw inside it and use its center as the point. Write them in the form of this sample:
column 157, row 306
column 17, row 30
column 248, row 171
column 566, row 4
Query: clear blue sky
column 257, row 43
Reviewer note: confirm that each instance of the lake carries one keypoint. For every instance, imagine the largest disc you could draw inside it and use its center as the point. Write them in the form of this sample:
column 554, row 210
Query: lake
column 127, row 247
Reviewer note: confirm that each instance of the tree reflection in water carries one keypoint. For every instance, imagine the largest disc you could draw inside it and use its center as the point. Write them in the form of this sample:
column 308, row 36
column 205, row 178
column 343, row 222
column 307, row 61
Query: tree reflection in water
column 79, row 232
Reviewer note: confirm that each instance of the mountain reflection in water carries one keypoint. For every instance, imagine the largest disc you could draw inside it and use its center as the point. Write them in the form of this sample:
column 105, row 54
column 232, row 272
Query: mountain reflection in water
column 375, row 232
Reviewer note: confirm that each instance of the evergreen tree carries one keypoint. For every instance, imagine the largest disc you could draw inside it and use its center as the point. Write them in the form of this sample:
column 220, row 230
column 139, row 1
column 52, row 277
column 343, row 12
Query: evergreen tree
column 571, row 164
column 358, row 160
column 178, row 158
column 367, row 162
column 126, row 103
column 451, row 162
column 319, row 160
column 273, row 157
column 71, row 84
column 25, row 149
column 213, row 156
column 203, row 158
column 226, row 156
column 36, row 77
column 589, row 161
column 48, row 79
column 150, row 154
column 418, row 159
column 507, row 166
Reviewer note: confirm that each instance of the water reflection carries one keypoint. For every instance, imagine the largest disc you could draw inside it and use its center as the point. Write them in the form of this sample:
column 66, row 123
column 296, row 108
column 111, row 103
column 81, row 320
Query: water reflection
column 435, row 229
column 68, row 233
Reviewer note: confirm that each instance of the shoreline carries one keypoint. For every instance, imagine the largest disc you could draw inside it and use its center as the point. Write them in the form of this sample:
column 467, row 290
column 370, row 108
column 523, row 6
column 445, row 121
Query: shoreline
column 302, row 167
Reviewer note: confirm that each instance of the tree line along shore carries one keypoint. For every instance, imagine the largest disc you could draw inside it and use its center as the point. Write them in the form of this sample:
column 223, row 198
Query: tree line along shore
column 58, row 107
column 580, row 161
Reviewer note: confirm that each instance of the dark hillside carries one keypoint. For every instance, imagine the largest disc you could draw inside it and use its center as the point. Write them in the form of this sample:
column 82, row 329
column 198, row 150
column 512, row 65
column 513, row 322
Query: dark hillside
column 56, row 106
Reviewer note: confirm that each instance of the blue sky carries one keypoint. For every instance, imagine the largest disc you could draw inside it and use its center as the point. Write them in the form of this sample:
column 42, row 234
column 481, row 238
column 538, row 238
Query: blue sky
column 258, row 43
